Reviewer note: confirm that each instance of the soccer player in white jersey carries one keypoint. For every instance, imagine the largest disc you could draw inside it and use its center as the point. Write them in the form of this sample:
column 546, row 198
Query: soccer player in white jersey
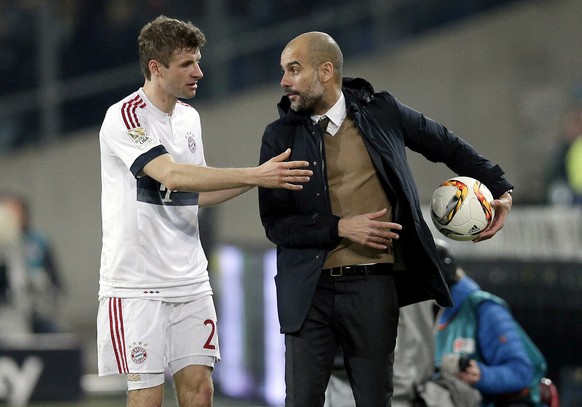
column 155, row 300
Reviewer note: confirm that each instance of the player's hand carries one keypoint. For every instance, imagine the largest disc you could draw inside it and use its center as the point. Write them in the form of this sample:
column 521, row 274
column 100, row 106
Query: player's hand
column 502, row 207
column 367, row 230
column 278, row 173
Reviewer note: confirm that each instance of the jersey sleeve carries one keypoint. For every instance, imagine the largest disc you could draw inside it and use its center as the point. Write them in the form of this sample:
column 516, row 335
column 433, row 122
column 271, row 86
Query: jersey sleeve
column 128, row 140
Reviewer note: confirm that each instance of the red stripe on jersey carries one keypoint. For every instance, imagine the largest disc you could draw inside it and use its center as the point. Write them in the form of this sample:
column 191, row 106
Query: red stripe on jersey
column 128, row 112
column 117, row 333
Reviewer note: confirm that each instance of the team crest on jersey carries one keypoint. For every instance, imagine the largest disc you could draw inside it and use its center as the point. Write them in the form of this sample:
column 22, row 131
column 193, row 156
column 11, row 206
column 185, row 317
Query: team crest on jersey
column 191, row 142
column 140, row 138
column 138, row 352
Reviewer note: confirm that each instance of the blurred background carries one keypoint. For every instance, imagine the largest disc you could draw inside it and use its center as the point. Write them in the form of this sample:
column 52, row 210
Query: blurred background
column 506, row 75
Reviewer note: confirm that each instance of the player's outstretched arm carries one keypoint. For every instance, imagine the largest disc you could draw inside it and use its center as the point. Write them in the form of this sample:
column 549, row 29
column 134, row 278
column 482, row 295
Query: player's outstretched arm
column 275, row 173
column 502, row 207
column 278, row 173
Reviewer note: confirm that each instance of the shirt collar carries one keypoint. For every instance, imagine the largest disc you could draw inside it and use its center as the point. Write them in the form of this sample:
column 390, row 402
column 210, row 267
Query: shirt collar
column 336, row 114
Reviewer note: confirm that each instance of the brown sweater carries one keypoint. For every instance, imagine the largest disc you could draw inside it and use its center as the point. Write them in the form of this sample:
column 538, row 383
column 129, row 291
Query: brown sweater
column 354, row 189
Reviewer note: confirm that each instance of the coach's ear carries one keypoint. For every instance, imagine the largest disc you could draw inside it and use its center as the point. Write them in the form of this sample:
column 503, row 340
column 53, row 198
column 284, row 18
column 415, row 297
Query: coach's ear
column 325, row 71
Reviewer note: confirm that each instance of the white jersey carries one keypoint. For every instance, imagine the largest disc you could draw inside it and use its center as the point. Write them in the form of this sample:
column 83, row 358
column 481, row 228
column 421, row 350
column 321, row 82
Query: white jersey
column 151, row 243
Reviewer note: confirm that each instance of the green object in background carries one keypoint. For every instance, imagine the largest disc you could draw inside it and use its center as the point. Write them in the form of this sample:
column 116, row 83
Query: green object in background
column 574, row 165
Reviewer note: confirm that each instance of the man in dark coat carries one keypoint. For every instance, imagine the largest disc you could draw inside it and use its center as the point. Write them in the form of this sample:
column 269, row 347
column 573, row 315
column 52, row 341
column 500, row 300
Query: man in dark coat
column 352, row 244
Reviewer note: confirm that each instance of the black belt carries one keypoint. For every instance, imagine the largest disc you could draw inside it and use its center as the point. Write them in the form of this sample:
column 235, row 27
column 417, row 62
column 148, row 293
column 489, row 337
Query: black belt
column 360, row 270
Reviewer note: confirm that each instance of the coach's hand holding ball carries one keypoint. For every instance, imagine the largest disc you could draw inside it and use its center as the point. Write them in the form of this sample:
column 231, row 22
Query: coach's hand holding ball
column 462, row 208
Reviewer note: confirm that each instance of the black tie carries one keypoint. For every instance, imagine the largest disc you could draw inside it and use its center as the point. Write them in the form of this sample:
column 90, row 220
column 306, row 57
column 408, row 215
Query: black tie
column 322, row 123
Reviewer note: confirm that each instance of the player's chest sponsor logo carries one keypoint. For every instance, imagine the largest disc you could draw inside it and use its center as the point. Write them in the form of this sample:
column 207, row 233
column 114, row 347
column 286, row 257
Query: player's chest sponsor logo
column 140, row 138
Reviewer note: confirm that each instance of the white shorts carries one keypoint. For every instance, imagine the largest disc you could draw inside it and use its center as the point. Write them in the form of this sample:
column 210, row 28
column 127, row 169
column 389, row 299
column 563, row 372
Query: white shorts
column 145, row 336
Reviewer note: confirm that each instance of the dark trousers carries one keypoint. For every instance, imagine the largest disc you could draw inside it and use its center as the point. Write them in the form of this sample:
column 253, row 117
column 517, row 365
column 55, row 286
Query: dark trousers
column 358, row 314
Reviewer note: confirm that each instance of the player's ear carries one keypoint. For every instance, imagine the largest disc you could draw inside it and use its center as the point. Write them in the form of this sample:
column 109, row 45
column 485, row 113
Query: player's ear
column 154, row 67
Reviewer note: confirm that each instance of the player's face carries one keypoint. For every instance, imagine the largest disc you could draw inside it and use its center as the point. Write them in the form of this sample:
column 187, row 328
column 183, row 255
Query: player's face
column 301, row 82
column 180, row 78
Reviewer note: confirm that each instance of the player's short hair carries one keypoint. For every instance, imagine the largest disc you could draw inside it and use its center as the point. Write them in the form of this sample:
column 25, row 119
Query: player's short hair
column 159, row 39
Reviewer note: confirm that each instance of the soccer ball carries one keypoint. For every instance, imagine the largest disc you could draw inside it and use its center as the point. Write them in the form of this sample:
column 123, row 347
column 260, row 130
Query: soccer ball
column 461, row 208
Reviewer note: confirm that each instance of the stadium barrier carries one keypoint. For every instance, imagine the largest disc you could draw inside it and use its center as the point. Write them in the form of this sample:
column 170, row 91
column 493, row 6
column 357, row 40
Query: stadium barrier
column 45, row 367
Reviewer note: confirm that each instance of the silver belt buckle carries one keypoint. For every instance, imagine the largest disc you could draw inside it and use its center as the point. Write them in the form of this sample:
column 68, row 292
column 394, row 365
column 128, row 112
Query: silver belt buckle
column 334, row 273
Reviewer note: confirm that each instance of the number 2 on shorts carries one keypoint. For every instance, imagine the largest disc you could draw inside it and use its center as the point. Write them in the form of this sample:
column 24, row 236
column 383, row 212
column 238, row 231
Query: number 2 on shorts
column 208, row 345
